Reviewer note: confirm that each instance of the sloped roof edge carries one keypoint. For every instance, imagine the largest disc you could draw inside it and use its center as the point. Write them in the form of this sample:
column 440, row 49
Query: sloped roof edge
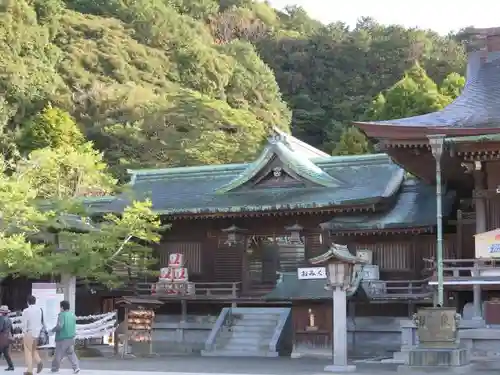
column 299, row 164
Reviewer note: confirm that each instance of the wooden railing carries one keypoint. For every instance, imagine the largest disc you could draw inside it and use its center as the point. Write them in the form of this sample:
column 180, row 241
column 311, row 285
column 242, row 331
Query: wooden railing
column 463, row 268
column 397, row 289
column 194, row 290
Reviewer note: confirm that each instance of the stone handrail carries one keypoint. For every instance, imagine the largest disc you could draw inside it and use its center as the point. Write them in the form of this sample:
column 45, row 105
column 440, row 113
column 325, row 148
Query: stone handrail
column 219, row 323
column 285, row 314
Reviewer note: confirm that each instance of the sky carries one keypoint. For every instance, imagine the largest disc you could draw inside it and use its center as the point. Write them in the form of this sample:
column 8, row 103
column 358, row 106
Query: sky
column 442, row 16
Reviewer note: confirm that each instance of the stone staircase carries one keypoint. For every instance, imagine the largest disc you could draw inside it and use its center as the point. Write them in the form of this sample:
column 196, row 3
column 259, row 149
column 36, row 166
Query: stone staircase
column 250, row 332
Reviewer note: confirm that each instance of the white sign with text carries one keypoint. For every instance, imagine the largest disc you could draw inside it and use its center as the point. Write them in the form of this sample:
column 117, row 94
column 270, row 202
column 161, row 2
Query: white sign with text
column 311, row 273
column 48, row 299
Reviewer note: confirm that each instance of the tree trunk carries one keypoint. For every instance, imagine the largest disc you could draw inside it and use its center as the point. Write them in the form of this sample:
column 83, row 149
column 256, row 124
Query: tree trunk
column 69, row 286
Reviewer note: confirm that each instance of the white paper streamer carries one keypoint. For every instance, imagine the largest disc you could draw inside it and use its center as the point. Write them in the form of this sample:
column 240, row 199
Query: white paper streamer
column 105, row 324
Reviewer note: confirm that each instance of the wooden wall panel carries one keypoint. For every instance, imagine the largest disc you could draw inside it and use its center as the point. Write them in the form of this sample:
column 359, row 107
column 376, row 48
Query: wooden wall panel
column 468, row 250
column 192, row 252
column 427, row 246
column 390, row 256
column 492, row 174
column 228, row 263
column 315, row 245
column 322, row 312
column 492, row 213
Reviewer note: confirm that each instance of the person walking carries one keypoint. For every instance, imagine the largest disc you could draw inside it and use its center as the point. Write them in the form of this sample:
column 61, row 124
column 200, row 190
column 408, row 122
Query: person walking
column 65, row 338
column 6, row 336
column 32, row 322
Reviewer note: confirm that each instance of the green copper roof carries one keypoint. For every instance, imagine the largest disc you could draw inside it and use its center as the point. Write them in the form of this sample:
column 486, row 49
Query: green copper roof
column 474, row 138
column 288, row 175
column 337, row 252
column 414, row 207
column 366, row 179
column 291, row 162
column 289, row 287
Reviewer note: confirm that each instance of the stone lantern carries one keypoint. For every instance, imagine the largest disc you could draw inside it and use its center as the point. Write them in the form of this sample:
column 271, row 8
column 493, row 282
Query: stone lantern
column 339, row 264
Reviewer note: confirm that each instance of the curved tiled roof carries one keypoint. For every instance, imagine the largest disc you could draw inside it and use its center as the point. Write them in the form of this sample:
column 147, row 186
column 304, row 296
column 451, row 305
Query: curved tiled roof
column 415, row 207
column 478, row 107
column 366, row 179
column 291, row 160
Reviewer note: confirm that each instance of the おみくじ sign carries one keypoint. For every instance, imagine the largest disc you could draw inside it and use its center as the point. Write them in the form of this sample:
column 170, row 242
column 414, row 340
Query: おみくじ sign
column 311, row 273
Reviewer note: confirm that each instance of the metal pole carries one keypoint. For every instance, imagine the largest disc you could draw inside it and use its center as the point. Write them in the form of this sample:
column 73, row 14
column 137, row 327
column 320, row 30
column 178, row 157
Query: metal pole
column 436, row 142
column 439, row 242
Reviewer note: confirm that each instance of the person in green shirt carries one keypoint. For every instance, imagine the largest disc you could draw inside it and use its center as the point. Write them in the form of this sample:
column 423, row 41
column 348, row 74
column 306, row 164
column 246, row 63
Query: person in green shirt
column 65, row 331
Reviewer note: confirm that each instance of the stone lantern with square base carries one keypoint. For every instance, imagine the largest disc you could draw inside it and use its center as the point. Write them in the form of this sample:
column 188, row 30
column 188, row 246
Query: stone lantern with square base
column 339, row 264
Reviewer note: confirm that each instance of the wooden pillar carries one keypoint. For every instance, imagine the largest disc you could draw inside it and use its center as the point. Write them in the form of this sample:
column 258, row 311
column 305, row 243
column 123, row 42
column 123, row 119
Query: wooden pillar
column 245, row 266
column 459, row 235
column 480, row 207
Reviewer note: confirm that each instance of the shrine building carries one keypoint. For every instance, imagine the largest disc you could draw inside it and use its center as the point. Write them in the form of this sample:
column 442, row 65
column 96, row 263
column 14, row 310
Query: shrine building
column 242, row 234
column 245, row 231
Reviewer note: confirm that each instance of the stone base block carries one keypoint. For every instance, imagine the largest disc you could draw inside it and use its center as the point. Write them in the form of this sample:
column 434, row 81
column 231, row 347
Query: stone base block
column 438, row 357
column 422, row 370
column 337, row 368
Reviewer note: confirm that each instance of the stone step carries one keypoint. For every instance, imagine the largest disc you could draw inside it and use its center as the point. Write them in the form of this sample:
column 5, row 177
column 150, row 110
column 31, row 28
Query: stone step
column 245, row 341
column 240, row 352
column 256, row 316
column 251, row 328
column 249, row 334
column 254, row 322
column 228, row 335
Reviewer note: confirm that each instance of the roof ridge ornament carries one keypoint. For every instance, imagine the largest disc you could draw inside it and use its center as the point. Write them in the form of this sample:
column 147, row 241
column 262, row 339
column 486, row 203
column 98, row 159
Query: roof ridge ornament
column 292, row 161
column 278, row 136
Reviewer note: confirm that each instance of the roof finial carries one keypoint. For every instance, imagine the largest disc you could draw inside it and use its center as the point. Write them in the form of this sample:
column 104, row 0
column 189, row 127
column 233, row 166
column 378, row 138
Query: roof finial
column 278, row 136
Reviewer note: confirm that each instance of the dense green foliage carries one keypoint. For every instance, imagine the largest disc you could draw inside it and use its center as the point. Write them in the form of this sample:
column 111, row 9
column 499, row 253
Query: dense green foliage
column 178, row 82
column 415, row 94
column 89, row 88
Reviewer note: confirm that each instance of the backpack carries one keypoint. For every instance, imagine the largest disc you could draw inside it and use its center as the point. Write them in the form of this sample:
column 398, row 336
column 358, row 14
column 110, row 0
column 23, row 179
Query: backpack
column 43, row 337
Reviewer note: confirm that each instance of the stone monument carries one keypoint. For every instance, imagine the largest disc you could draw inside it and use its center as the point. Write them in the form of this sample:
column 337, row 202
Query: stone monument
column 438, row 349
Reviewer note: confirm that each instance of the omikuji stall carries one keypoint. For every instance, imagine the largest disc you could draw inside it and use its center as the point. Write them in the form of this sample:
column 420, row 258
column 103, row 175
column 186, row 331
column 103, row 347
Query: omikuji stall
column 139, row 318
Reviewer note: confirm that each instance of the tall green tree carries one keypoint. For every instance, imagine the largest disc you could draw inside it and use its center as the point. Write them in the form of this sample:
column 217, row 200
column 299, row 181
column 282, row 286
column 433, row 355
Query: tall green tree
column 452, row 85
column 52, row 127
column 415, row 94
column 55, row 237
column 352, row 142
column 241, row 56
column 65, row 173
column 21, row 219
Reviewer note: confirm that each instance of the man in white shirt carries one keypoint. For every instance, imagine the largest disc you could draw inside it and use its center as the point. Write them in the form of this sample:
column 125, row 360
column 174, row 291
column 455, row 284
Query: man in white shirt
column 32, row 325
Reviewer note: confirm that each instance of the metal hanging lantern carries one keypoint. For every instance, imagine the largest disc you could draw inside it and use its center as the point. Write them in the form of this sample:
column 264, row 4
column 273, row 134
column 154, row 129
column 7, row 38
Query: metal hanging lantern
column 437, row 145
column 295, row 234
column 235, row 235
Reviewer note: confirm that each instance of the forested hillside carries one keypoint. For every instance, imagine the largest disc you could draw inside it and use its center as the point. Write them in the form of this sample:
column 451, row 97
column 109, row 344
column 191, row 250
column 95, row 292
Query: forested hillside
column 182, row 82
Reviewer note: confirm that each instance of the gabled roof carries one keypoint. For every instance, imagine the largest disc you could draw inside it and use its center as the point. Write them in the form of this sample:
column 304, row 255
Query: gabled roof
column 476, row 111
column 321, row 182
column 415, row 207
column 295, row 159
column 300, row 147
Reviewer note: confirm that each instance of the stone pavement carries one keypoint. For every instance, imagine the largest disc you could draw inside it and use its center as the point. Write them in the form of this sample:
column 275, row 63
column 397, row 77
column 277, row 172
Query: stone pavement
column 187, row 365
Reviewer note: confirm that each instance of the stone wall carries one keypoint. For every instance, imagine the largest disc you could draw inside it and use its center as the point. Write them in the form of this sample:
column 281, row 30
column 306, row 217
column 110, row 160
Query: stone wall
column 367, row 337
column 482, row 342
column 170, row 335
